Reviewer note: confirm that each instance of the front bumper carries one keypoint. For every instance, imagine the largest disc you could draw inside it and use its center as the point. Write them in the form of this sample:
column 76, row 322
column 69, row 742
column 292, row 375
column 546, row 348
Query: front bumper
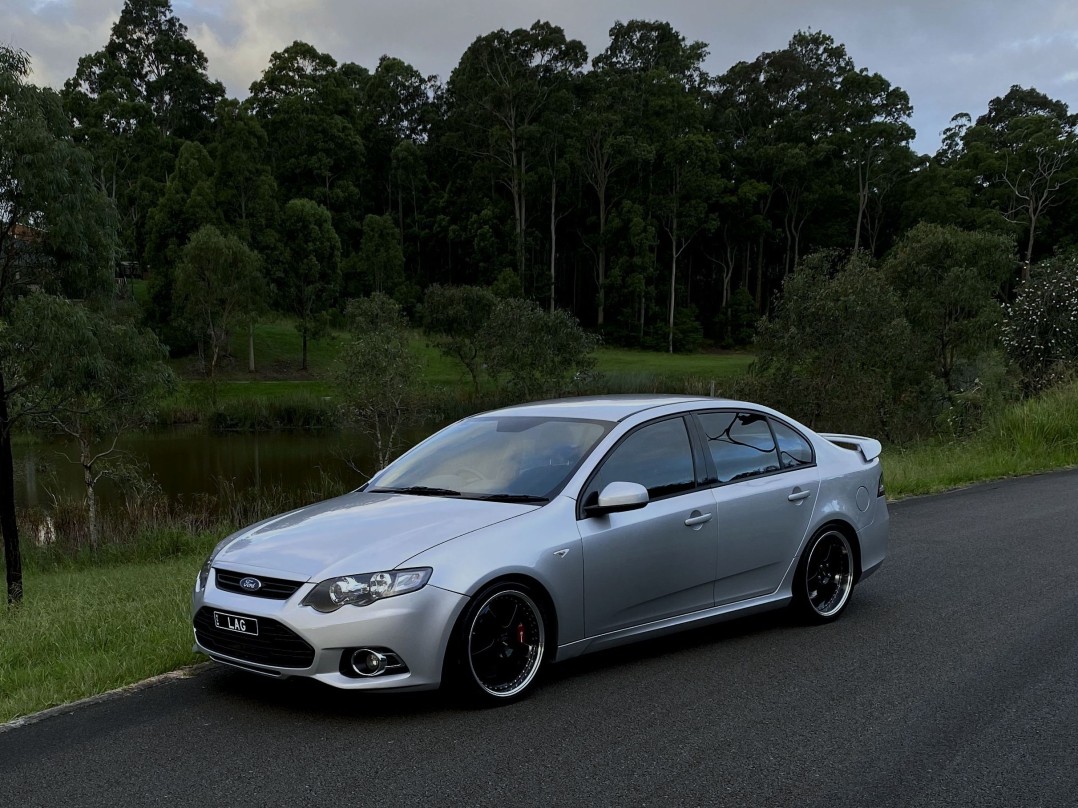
column 416, row 627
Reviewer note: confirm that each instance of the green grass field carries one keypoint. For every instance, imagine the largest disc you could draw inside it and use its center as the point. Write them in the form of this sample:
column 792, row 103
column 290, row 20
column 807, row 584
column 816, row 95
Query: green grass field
column 86, row 630
column 278, row 374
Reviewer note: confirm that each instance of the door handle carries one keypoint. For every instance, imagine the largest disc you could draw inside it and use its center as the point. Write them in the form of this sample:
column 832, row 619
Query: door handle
column 699, row 519
column 797, row 496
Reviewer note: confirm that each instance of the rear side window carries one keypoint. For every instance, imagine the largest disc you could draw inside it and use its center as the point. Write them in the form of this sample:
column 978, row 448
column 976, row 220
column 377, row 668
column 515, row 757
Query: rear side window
column 657, row 456
column 794, row 450
column 741, row 444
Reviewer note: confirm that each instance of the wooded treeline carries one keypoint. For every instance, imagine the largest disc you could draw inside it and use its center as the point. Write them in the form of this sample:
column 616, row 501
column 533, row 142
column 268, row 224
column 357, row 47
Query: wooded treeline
column 658, row 203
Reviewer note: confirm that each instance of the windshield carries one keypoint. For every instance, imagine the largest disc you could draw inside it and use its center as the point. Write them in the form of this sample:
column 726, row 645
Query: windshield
column 511, row 458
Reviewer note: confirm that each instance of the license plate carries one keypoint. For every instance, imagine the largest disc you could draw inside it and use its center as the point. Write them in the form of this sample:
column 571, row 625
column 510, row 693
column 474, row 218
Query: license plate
column 233, row 622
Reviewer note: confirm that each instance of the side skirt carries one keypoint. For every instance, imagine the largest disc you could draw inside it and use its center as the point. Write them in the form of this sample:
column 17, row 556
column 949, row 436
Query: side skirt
column 717, row 614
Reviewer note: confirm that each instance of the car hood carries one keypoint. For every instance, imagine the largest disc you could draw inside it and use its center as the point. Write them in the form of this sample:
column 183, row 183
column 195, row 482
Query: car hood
column 355, row 533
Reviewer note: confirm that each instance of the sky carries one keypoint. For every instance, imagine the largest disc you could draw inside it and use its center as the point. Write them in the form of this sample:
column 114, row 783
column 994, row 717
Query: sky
column 951, row 56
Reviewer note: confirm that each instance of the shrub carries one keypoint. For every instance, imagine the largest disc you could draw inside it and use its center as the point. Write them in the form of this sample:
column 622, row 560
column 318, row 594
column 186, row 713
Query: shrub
column 1040, row 329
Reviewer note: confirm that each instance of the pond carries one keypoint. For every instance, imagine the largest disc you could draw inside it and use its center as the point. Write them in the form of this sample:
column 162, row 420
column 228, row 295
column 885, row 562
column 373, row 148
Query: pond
column 191, row 461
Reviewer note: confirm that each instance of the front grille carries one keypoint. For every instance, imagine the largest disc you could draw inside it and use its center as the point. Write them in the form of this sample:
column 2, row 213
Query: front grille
column 276, row 645
column 272, row 588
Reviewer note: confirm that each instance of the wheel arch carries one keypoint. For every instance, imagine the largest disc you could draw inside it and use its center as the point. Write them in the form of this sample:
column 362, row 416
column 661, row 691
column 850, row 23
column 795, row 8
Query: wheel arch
column 545, row 601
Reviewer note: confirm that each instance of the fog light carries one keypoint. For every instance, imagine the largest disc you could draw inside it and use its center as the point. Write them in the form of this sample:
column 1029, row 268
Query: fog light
column 366, row 662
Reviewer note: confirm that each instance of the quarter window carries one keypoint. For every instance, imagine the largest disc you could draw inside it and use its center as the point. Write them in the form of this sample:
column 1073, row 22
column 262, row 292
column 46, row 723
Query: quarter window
column 657, row 456
column 741, row 444
column 794, row 450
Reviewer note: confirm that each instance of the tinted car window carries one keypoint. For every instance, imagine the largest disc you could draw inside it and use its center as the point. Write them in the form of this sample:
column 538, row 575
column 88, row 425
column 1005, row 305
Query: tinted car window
column 657, row 456
column 794, row 450
column 741, row 444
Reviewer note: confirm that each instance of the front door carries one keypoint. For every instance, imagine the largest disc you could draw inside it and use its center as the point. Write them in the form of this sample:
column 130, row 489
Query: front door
column 658, row 561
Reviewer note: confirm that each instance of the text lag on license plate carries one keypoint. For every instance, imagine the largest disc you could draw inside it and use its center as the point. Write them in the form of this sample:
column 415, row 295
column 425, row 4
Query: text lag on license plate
column 233, row 622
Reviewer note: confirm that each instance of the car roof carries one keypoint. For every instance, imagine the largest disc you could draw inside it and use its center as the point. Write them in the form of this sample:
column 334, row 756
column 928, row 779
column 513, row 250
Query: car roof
column 601, row 408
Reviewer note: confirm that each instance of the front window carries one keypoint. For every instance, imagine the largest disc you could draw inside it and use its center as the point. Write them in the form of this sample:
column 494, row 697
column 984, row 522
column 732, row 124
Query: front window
column 657, row 456
column 511, row 458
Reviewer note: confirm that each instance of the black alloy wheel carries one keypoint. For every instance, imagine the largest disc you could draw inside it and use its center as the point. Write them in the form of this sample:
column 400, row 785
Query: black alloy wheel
column 504, row 641
column 824, row 580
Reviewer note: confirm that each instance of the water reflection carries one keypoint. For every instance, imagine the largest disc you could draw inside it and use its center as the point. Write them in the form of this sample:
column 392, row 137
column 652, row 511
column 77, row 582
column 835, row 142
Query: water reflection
column 191, row 461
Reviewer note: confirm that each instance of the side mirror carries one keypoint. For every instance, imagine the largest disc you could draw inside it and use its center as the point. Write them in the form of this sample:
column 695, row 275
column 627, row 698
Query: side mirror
column 618, row 497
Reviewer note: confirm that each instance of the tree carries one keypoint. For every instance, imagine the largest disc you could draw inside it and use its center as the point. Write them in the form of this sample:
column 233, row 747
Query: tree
column 454, row 317
column 187, row 204
column 218, row 288
column 130, row 101
column 949, row 281
column 1023, row 151
column 498, row 93
column 1040, row 328
column 309, row 107
column 378, row 374
column 94, row 376
column 838, row 352
column 308, row 275
column 536, row 353
column 57, row 235
column 380, row 254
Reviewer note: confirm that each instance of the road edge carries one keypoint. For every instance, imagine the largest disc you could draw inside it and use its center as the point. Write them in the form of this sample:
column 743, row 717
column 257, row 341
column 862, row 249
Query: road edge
column 186, row 672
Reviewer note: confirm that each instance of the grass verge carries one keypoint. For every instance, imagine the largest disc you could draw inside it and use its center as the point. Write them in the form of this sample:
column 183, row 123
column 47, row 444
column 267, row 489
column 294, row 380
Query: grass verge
column 86, row 630
column 1032, row 436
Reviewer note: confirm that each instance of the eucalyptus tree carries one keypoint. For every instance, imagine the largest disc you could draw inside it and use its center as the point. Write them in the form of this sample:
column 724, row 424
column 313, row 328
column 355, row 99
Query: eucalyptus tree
column 187, row 203
column 131, row 101
column 307, row 273
column 95, row 376
column 496, row 98
column 311, row 112
column 58, row 236
column 245, row 192
column 453, row 318
column 219, row 288
column 1024, row 153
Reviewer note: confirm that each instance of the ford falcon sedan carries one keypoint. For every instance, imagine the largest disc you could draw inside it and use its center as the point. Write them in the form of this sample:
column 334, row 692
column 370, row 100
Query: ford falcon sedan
column 536, row 533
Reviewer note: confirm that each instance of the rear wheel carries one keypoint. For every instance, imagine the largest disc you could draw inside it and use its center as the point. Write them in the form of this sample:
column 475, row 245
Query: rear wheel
column 824, row 580
column 501, row 643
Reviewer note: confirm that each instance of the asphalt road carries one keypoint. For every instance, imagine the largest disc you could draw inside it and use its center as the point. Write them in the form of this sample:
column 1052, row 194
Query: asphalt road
column 952, row 679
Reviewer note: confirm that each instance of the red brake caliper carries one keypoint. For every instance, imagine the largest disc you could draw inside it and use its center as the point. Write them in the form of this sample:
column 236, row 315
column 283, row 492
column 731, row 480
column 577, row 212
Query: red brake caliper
column 520, row 633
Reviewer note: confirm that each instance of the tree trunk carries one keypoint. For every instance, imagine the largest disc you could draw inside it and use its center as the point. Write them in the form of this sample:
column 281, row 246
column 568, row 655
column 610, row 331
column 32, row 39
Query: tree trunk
column 553, row 237
column 673, row 282
column 91, row 495
column 251, row 347
column 303, row 364
column 8, row 527
column 602, row 258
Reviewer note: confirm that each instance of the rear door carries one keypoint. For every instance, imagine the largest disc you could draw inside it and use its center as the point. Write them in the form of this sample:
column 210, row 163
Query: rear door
column 765, row 487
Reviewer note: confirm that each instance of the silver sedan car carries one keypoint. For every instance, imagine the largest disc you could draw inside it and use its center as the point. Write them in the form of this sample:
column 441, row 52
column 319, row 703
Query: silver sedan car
column 537, row 533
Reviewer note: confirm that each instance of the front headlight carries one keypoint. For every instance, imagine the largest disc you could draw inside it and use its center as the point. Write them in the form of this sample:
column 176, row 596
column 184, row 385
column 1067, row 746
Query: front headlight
column 365, row 588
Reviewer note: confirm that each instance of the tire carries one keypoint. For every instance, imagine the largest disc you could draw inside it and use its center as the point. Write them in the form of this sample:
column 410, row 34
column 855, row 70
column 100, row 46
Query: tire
column 500, row 644
column 824, row 579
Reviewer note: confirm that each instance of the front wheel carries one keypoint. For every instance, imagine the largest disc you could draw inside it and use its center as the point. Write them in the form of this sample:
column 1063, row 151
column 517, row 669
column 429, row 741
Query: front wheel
column 501, row 643
column 824, row 579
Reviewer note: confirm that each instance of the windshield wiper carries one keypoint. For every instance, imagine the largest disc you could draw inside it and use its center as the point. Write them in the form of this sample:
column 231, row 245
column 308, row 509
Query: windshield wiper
column 510, row 498
column 419, row 490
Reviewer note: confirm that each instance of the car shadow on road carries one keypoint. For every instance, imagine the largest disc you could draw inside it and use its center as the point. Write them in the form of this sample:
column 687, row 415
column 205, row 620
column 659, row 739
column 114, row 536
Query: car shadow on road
column 672, row 645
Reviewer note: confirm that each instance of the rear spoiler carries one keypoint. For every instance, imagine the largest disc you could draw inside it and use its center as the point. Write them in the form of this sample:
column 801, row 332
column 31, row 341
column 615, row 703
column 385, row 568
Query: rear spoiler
column 870, row 448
